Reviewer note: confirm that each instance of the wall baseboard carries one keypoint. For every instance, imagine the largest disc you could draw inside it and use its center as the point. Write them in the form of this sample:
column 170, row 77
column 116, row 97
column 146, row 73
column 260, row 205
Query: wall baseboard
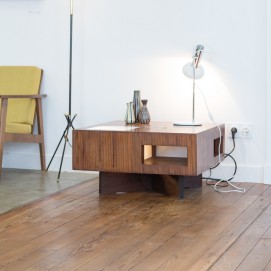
column 32, row 161
column 255, row 174
column 267, row 174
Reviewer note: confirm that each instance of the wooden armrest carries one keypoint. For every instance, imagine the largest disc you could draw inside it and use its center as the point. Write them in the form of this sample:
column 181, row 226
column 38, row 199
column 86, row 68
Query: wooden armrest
column 39, row 96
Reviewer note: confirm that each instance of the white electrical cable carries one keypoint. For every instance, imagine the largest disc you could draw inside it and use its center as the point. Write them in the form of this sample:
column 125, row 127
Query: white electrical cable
column 216, row 186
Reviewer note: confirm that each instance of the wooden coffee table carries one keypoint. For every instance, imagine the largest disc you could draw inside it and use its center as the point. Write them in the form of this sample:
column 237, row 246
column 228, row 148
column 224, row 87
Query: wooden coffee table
column 158, row 157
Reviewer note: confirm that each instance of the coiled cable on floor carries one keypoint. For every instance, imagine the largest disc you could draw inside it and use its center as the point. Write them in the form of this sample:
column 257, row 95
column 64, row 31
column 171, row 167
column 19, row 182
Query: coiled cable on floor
column 226, row 155
column 219, row 182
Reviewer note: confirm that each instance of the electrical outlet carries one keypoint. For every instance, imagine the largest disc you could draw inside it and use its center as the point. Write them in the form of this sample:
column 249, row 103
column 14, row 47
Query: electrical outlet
column 244, row 130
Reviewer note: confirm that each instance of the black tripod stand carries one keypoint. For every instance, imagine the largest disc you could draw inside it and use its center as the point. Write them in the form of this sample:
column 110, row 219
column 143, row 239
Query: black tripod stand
column 68, row 117
column 65, row 137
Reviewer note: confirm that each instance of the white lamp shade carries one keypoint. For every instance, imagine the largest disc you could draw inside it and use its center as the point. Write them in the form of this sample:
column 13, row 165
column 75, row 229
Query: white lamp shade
column 188, row 71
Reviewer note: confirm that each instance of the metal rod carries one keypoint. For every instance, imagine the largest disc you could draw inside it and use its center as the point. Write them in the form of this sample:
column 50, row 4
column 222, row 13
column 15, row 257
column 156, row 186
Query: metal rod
column 70, row 64
column 56, row 148
column 193, row 110
column 68, row 117
column 194, row 85
column 63, row 152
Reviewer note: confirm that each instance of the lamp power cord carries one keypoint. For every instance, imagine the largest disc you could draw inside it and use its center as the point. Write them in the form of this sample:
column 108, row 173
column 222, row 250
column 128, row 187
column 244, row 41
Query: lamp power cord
column 226, row 155
column 223, row 181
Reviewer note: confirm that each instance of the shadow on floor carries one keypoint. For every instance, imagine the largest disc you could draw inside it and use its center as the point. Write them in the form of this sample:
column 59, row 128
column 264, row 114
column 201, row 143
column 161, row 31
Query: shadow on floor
column 19, row 187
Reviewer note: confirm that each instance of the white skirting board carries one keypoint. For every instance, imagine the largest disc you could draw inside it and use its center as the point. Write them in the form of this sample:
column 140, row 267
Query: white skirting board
column 267, row 174
column 253, row 174
column 256, row 174
column 32, row 161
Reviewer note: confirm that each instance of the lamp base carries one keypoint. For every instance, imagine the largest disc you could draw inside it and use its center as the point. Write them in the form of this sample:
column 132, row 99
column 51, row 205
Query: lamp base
column 187, row 124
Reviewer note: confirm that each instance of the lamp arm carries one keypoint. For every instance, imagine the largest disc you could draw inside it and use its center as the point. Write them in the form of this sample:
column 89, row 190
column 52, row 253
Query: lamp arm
column 193, row 70
column 197, row 55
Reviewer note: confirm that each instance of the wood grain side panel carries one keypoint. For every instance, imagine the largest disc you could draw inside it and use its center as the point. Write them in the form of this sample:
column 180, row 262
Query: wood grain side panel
column 206, row 157
column 104, row 151
column 86, row 150
column 107, row 161
column 124, row 152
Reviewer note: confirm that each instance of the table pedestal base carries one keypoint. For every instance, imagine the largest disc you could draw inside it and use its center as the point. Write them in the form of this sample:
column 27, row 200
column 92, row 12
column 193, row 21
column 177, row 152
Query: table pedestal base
column 169, row 185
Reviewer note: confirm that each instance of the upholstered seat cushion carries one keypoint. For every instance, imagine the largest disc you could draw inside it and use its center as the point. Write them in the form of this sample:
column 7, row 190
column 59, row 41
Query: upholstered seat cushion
column 20, row 128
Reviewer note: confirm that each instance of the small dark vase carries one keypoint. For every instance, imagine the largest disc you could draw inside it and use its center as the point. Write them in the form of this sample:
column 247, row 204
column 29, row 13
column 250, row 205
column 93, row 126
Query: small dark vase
column 137, row 104
column 144, row 114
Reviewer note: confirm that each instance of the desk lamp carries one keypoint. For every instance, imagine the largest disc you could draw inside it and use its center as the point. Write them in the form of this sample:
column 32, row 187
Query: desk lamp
column 193, row 71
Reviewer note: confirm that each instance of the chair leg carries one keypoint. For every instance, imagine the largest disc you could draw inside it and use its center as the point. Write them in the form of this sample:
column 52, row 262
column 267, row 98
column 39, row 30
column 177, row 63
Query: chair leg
column 42, row 157
column 1, row 156
column 41, row 133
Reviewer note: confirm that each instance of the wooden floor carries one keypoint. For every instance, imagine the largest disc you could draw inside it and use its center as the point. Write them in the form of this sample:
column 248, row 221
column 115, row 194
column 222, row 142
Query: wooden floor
column 77, row 229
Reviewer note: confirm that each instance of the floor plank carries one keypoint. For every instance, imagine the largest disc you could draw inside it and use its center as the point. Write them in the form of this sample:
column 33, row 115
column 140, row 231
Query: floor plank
column 214, row 230
column 77, row 229
column 235, row 254
column 21, row 186
column 258, row 258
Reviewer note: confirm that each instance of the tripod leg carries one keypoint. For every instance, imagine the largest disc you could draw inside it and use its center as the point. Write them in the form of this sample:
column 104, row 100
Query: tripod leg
column 64, row 148
column 70, row 120
column 57, row 148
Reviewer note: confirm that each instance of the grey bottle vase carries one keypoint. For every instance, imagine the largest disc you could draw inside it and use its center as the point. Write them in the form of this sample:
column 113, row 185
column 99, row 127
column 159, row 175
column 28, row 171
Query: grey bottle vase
column 137, row 104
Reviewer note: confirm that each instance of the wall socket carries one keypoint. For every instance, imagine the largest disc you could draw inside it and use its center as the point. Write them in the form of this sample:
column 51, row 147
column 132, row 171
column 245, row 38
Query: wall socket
column 244, row 130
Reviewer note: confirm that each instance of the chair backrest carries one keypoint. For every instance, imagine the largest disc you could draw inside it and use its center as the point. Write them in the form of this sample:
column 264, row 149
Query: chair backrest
column 20, row 80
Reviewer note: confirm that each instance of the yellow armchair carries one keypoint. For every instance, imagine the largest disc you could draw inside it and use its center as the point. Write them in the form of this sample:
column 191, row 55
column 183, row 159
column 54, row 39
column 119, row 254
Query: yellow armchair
column 20, row 106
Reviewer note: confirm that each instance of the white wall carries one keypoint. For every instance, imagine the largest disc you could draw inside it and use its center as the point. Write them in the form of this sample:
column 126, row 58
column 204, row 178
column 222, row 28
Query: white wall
column 267, row 167
column 123, row 45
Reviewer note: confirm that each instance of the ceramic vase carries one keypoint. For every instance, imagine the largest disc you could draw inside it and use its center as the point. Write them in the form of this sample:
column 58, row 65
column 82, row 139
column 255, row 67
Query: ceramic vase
column 137, row 104
column 144, row 114
column 129, row 115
